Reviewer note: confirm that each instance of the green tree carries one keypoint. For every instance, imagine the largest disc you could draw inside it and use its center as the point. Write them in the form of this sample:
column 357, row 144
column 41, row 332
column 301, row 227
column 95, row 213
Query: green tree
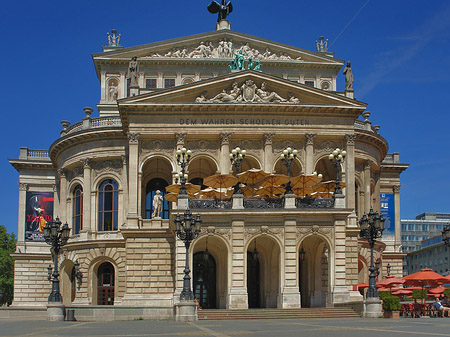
column 7, row 247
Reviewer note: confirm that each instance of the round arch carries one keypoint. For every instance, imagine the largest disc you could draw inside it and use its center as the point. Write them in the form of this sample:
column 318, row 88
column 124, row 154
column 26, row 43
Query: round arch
column 296, row 167
column 250, row 162
column 200, row 167
column 68, row 281
column 93, row 281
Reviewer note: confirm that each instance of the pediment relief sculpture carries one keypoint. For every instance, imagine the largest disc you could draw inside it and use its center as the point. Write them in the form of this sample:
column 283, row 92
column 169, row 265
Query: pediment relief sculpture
column 224, row 50
column 247, row 93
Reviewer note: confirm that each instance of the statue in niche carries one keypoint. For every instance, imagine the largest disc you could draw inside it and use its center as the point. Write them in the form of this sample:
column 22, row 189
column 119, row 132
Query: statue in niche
column 113, row 91
column 133, row 72
column 157, row 204
column 223, row 9
column 267, row 96
column 348, row 77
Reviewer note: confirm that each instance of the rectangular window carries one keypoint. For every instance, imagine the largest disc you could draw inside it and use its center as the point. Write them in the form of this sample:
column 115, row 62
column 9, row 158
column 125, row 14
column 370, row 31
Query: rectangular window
column 150, row 83
column 169, row 82
column 309, row 83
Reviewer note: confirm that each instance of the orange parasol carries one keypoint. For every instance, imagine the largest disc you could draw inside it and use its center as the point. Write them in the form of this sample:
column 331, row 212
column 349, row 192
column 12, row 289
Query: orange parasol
column 210, row 193
column 220, row 181
column 305, row 180
column 401, row 291
column 389, row 281
column 327, row 186
column 273, row 180
column 425, row 277
column 363, row 285
column 173, row 197
column 249, row 191
column 437, row 290
column 250, row 177
column 271, row 191
column 190, row 188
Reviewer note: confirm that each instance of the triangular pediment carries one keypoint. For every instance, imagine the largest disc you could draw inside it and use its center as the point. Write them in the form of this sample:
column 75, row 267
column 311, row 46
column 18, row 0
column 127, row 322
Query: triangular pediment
column 217, row 45
column 244, row 88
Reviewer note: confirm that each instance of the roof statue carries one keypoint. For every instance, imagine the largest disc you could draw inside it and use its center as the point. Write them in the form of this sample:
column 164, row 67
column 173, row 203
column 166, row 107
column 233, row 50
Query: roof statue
column 348, row 77
column 113, row 40
column 321, row 45
column 224, row 9
column 133, row 72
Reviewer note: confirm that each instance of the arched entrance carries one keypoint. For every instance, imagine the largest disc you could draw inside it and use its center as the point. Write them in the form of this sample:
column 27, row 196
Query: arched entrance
column 205, row 279
column 210, row 272
column 105, row 284
column 313, row 271
column 263, row 272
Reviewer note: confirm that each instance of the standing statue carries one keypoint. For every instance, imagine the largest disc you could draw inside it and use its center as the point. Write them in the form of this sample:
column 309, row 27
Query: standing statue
column 238, row 62
column 133, row 71
column 348, row 77
column 224, row 9
column 157, row 204
column 113, row 40
column 113, row 92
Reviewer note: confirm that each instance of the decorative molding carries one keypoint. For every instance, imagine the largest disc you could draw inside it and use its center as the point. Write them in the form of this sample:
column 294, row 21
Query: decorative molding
column 203, row 145
column 223, row 49
column 350, row 139
column 248, row 92
column 396, row 188
column 268, row 138
column 247, row 144
column 107, row 166
column 157, row 145
column 23, row 187
column 225, row 138
column 75, row 172
column 212, row 230
column 310, row 138
column 55, row 188
column 315, row 229
column 263, row 230
column 180, row 137
column 87, row 163
column 133, row 138
column 61, row 173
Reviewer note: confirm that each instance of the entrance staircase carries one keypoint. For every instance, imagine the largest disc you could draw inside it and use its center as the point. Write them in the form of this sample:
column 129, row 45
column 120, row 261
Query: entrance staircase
column 303, row 313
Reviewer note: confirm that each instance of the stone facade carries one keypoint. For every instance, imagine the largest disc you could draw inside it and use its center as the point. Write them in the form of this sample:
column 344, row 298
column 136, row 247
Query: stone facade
column 248, row 251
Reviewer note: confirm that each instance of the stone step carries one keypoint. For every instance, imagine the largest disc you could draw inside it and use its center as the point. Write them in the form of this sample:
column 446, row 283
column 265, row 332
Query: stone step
column 223, row 314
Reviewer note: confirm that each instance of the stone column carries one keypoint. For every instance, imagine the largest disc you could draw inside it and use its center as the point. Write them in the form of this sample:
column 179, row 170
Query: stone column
column 124, row 177
column 398, row 225
column 237, row 296
column 225, row 153
column 350, row 171
column 57, row 212
column 160, row 80
column 268, row 152
column 88, row 225
column 133, row 145
column 64, row 216
column 23, row 188
column 309, row 151
column 367, row 194
column 290, row 295
column 123, row 85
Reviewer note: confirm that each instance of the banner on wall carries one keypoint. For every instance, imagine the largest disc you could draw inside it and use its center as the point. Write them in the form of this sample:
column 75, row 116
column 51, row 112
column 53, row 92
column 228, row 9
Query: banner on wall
column 387, row 208
column 39, row 210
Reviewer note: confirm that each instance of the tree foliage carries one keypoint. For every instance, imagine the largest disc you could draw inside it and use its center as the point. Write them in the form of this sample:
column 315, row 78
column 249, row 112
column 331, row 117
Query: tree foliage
column 7, row 247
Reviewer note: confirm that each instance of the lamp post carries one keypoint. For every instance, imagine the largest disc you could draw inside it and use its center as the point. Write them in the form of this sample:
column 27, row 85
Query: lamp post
column 236, row 157
column 446, row 235
column 388, row 267
column 56, row 236
column 187, row 229
column 372, row 226
column 336, row 158
column 183, row 158
column 287, row 158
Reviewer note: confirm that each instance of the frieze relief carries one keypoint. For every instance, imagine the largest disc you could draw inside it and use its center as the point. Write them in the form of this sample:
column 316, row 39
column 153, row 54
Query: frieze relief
column 247, row 92
column 107, row 166
column 224, row 49
column 247, row 144
column 250, row 232
column 212, row 230
column 203, row 146
column 74, row 173
column 157, row 145
column 315, row 229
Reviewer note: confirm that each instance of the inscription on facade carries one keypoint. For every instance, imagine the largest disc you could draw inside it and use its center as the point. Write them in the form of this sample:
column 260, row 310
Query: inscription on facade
column 243, row 121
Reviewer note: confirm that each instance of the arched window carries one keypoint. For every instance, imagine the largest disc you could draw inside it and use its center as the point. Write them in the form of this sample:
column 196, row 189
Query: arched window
column 152, row 186
column 108, row 204
column 77, row 212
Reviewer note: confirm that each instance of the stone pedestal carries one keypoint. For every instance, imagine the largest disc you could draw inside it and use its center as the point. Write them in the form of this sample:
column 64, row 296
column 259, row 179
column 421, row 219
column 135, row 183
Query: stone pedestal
column 223, row 24
column 238, row 298
column 340, row 294
column 183, row 202
column 55, row 312
column 290, row 298
column 186, row 311
column 289, row 200
column 349, row 93
column 134, row 91
column 238, row 201
column 372, row 308
column 339, row 201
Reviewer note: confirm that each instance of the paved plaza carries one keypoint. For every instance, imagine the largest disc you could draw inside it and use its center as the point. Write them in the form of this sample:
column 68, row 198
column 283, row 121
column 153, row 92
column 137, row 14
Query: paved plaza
column 280, row 328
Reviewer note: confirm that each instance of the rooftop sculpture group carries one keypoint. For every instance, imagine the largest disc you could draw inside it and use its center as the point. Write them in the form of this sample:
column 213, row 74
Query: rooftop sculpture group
column 247, row 93
column 223, row 9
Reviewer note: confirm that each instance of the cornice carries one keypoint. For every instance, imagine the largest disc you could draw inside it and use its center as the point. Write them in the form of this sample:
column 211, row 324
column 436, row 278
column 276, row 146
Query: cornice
column 373, row 138
column 19, row 164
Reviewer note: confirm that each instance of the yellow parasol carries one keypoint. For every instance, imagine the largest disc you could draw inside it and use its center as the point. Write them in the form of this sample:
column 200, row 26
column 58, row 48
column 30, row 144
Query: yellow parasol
column 190, row 188
column 220, row 181
column 250, row 177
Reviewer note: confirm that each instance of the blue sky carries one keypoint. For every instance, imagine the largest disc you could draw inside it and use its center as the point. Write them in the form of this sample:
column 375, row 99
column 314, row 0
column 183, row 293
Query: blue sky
column 399, row 52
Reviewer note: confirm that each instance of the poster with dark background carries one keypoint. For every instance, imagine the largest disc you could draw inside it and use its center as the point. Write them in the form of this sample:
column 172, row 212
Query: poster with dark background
column 39, row 210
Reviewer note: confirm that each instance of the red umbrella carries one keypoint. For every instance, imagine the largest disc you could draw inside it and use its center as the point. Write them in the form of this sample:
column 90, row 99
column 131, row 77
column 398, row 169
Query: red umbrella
column 437, row 290
column 402, row 291
column 363, row 285
column 389, row 281
column 425, row 277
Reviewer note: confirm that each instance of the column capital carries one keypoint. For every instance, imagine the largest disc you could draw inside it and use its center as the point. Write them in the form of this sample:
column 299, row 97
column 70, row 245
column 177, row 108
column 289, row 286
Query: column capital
column 124, row 160
column 396, row 188
column 23, row 187
column 55, row 188
column 367, row 165
column 225, row 137
column 86, row 163
column 61, row 173
column 181, row 137
column 310, row 138
column 350, row 139
column 133, row 138
column 268, row 138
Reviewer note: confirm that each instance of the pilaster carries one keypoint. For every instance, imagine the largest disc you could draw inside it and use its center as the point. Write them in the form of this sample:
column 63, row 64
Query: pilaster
column 87, row 201
column 398, row 225
column 309, row 150
column 339, row 290
column 237, row 296
column 224, row 153
column 367, row 194
column 63, row 196
column 268, row 152
column 350, row 171
column 133, row 146
column 23, row 188
column 290, row 294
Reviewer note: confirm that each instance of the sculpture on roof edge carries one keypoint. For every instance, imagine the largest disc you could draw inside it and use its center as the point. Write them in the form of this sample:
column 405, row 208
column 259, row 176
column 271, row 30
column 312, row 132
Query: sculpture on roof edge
column 348, row 77
column 133, row 72
column 321, row 45
column 223, row 9
column 113, row 40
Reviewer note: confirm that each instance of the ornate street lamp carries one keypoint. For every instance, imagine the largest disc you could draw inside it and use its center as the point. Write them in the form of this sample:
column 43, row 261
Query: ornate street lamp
column 446, row 235
column 287, row 158
column 372, row 226
column 236, row 157
column 183, row 158
column 336, row 158
column 388, row 267
column 56, row 236
column 187, row 229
